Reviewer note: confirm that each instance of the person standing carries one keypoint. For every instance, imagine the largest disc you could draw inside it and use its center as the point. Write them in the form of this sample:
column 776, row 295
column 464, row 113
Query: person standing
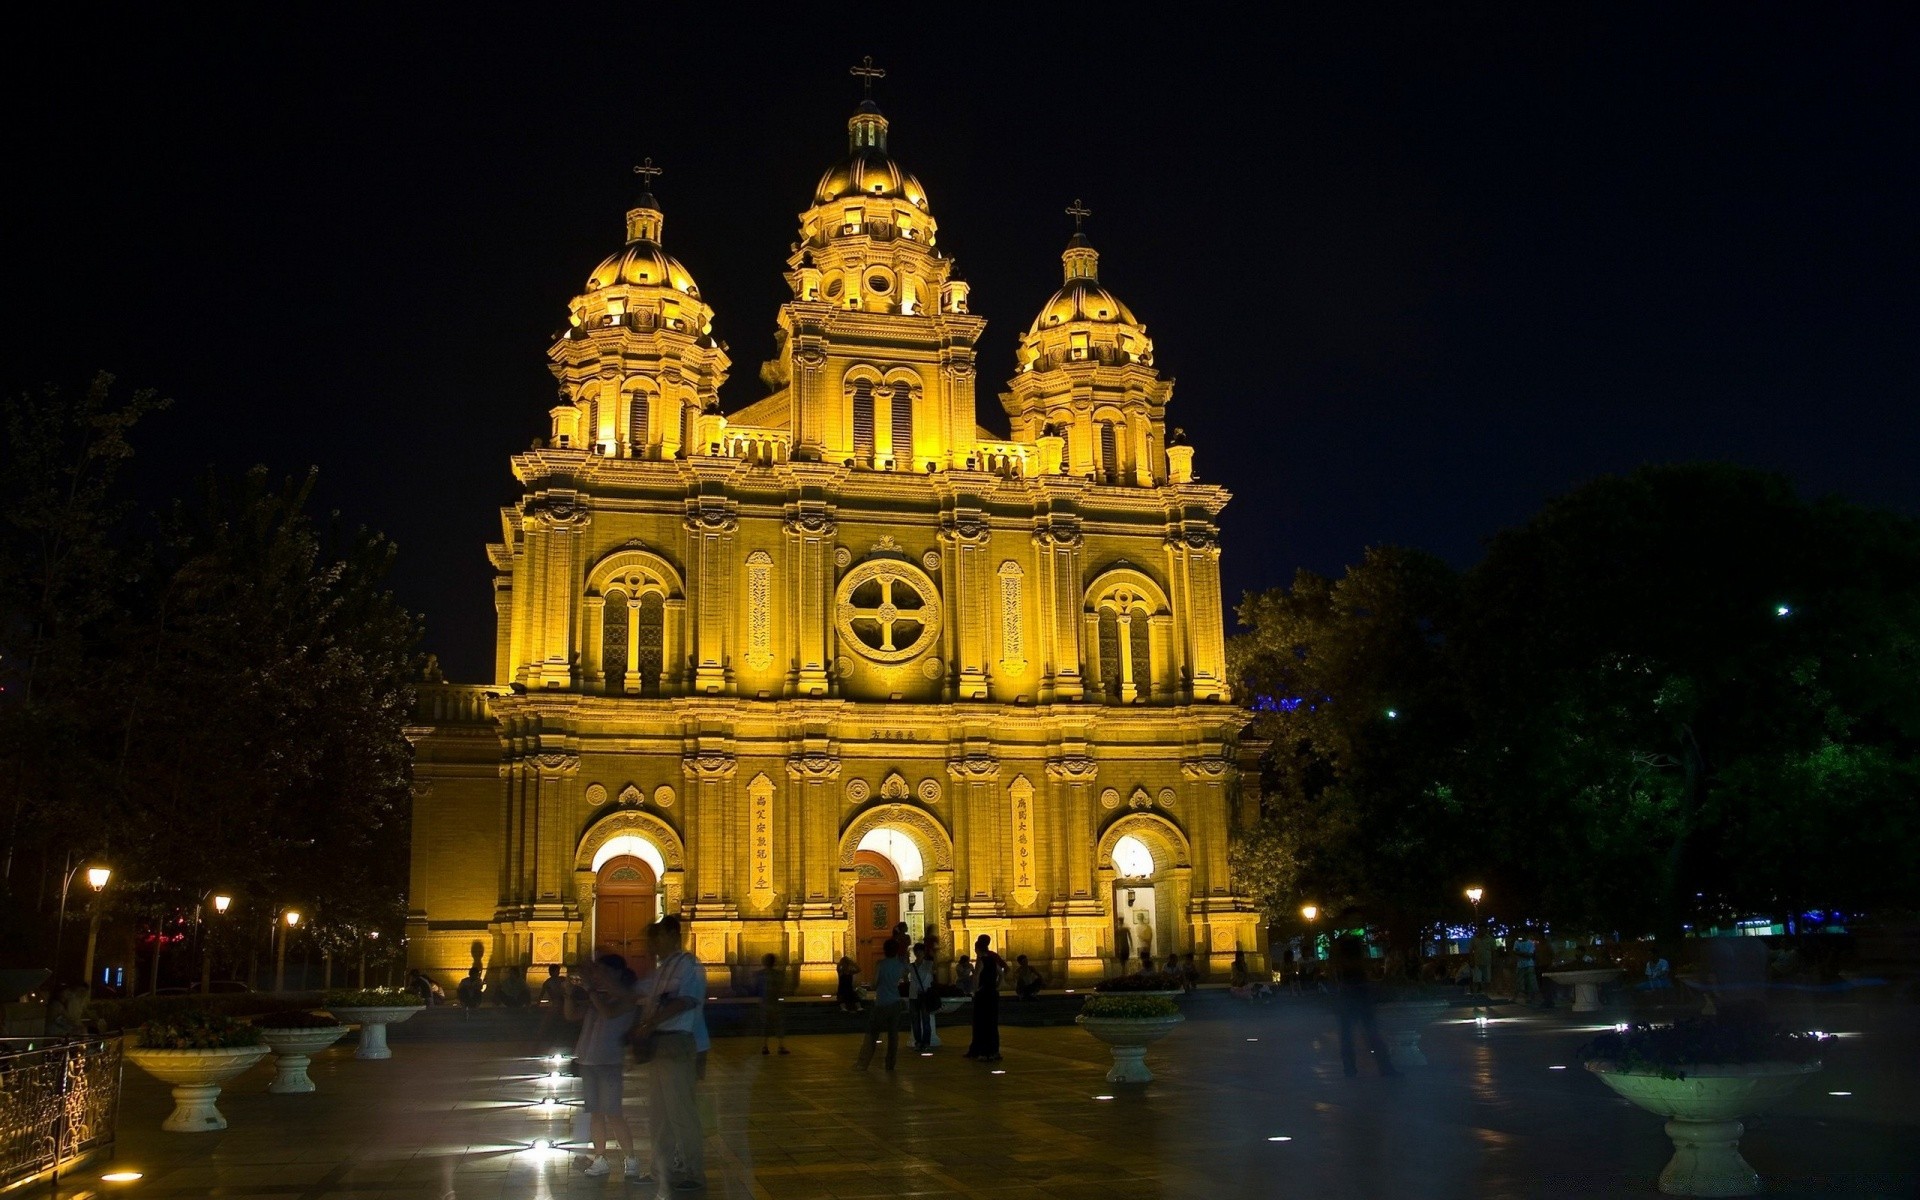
column 1354, row 1000
column 889, row 979
column 986, row 1001
column 1526, row 983
column 921, row 997
column 1480, row 951
column 770, row 983
column 673, row 1017
column 605, row 1009
column 847, row 969
column 1122, row 947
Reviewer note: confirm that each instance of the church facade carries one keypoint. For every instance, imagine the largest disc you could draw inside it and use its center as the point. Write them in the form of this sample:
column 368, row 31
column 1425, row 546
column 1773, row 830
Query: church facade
column 843, row 657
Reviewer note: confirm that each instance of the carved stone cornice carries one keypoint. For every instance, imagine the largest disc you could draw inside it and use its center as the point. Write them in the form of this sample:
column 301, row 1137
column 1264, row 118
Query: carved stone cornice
column 1195, row 540
column 1073, row 768
column 561, row 512
column 813, row 768
column 708, row 766
column 711, row 517
column 1058, row 532
column 966, row 528
column 1209, row 768
column 973, row 768
column 555, row 763
column 810, row 523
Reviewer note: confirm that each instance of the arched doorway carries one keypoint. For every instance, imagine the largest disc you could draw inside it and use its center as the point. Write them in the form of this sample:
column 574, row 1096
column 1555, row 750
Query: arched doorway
column 626, row 900
column 876, row 906
column 1135, row 912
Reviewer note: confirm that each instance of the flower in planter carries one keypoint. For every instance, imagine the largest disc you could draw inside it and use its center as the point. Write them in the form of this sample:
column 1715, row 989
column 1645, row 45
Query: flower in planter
column 196, row 1030
column 295, row 1020
column 372, row 998
column 1129, row 1008
column 1665, row 1050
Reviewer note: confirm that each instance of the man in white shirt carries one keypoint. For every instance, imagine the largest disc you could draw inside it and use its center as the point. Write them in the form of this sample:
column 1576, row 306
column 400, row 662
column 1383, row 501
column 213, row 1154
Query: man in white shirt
column 674, row 1018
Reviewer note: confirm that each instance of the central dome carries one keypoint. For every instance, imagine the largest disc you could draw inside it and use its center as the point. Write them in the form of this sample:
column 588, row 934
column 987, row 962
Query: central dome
column 1081, row 298
column 868, row 170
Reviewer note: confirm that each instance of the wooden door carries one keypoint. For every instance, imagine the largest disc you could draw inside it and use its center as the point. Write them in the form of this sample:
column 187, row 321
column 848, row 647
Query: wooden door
column 624, row 900
column 876, row 907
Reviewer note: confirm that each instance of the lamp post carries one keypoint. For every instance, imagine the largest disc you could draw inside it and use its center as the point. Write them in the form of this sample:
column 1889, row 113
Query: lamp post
column 1473, row 898
column 292, row 918
column 372, row 936
column 220, row 905
column 96, row 879
column 1309, row 912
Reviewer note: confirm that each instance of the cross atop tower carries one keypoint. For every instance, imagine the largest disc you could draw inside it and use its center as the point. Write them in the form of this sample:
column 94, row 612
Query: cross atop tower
column 866, row 72
column 1079, row 213
column 647, row 173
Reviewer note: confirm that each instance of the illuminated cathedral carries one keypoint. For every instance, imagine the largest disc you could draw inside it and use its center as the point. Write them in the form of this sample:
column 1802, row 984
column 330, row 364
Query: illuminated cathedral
column 843, row 657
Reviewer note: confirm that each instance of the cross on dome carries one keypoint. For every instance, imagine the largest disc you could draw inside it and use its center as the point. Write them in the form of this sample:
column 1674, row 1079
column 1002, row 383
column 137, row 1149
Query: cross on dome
column 648, row 173
column 1079, row 212
column 866, row 72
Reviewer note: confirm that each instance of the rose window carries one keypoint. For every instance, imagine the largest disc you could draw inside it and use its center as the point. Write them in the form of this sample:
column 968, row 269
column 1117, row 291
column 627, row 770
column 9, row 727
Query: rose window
column 887, row 611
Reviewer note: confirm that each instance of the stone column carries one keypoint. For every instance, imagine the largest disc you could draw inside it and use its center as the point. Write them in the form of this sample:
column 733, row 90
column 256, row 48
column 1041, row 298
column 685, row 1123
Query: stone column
column 552, row 850
column 593, row 671
column 1194, row 567
column 503, row 629
column 673, row 640
column 1058, row 541
column 709, row 778
column 632, row 618
column 810, row 543
column 974, row 775
column 965, row 537
column 810, row 397
column 814, row 784
column 710, row 525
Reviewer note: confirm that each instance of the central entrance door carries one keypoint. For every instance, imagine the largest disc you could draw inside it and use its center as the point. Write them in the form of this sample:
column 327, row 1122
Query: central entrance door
column 876, row 907
column 625, row 896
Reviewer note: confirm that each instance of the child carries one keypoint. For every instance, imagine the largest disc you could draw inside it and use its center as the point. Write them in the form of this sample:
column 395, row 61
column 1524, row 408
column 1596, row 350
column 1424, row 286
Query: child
column 770, row 984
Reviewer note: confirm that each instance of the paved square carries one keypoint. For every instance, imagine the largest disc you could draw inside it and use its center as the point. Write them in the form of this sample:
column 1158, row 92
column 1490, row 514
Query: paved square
column 1491, row 1117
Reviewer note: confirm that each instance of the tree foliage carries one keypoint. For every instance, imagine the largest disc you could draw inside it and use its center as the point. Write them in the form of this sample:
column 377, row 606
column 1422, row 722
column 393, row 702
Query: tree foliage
column 1669, row 696
column 214, row 697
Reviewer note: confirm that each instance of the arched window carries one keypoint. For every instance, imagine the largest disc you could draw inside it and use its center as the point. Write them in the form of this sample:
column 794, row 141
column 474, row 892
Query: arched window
column 1127, row 626
column 686, row 431
column 902, row 427
column 649, row 630
column 592, row 437
column 1109, row 453
column 613, row 641
column 863, row 422
column 638, row 410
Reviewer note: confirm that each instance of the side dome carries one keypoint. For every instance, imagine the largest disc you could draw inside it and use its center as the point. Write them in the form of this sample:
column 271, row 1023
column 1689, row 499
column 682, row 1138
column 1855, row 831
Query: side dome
column 1081, row 297
column 643, row 262
column 868, row 170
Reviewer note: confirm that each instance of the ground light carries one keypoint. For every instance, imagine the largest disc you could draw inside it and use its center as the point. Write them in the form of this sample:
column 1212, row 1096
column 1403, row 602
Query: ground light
column 120, row 1176
column 1839, row 1093
column 1103, row 1097
column 1281, row 1138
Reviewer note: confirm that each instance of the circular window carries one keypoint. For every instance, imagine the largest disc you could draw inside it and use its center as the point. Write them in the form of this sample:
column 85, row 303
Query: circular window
column 833, row 288
column 879, row 285
column 887, row 611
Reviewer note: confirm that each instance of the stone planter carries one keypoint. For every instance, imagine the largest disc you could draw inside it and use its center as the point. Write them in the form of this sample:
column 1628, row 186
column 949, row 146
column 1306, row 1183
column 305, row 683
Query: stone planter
column 373, row 1024
column 1401, row 1022
column 1704, row 1112
column 293, row 1049
column 196, row 1076
column 1128, row 1038
column 1586, row 985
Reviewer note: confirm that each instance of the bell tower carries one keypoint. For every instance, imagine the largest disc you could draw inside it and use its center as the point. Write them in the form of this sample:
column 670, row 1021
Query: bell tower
column 1084, row 387
column 875, row 363
column 638, row 365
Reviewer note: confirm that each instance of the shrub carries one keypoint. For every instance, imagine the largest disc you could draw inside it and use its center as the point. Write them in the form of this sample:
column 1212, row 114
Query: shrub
column 130, row 1014
column 1133, row 1008
column 1665, row 1050
column 296, row 1019
column 371, row 998
column 195, row 1030
column 1140, row 981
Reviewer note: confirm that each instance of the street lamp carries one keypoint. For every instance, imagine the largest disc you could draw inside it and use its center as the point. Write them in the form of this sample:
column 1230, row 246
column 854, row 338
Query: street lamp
column 220, row 905
column 96, row 879
column 1473, row 898
column 292, row 918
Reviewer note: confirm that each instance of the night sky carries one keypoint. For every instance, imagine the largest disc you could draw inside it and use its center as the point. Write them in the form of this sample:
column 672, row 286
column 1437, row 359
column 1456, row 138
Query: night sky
column 1413, row 274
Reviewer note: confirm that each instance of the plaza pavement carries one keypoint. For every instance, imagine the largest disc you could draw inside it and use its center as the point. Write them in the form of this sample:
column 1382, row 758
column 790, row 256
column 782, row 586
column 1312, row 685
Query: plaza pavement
column 1490, row 1117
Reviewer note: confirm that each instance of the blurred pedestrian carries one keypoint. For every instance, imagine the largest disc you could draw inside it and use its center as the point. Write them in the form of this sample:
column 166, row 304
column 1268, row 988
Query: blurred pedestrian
column 922, row 998
column 889, row 1005
column 770, row 984
column 986, row 1001
column 604, row 1006
column 671, row 1024
column 847, row 970
column 1353, row 998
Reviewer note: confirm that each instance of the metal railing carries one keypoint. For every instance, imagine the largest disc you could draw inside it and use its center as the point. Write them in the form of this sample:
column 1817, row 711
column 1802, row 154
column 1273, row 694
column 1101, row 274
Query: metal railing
column 59, row 1098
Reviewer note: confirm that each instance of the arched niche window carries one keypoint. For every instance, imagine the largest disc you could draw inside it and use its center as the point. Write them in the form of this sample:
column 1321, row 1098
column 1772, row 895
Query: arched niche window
column 590, row 436
column 1109, row 453
column 639, row 411
column 863, row 437
column 1130, row 630
column 631, row 642
column 902, row 408
column 687, row 448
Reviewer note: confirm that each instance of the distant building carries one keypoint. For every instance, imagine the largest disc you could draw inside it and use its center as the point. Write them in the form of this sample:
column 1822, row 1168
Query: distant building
column 843, row 657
